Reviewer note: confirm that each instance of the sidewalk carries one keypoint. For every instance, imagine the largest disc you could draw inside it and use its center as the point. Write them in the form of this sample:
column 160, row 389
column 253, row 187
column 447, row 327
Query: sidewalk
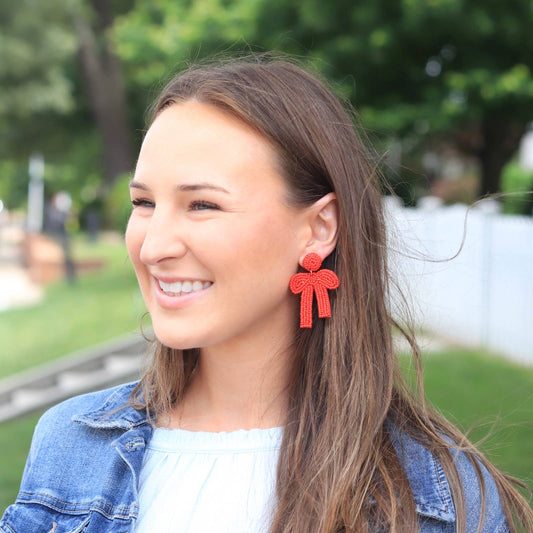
column 16, row 287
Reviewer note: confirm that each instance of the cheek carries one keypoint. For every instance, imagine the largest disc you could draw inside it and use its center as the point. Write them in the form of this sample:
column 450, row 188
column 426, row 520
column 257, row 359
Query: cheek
column 277, row 242
column 134, row 239
column 261, row 250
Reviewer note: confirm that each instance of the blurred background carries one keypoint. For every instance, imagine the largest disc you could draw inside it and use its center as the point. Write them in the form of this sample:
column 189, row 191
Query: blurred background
column 443, row 90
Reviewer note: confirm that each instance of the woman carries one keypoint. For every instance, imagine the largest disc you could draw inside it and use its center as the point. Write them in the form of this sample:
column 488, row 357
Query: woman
column 273, row 401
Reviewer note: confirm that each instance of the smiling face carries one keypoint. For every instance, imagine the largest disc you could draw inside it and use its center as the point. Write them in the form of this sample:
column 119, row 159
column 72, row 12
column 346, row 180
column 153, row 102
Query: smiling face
column 211, row 236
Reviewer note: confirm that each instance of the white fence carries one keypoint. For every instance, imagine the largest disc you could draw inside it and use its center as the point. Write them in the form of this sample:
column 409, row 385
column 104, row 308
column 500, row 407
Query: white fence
column 484, row 296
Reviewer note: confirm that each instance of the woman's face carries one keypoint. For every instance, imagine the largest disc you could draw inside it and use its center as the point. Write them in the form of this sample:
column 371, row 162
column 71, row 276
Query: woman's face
column 211, row 238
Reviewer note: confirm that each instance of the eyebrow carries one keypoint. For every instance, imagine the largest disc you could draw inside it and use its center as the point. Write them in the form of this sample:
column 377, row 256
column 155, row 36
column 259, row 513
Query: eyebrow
column 183, row 187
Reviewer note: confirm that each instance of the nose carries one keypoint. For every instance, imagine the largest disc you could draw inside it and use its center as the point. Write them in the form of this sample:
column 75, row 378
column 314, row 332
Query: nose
column 162, row 240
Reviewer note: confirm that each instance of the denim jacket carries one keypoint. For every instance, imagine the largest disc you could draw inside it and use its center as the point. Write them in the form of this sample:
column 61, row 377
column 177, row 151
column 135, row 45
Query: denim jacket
column 83, row 468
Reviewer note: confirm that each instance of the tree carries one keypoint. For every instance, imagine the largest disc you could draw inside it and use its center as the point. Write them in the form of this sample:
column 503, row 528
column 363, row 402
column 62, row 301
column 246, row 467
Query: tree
column 415, row 70
column 37, row 89
column 35, row 84
column 459, row 69
column 157, row 38
column 105, row 88
column 62, row 96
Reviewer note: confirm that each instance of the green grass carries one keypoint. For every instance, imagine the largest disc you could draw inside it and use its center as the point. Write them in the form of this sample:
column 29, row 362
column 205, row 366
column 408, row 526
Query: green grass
column 15, row 438
column 490, row 399
column 98, row 307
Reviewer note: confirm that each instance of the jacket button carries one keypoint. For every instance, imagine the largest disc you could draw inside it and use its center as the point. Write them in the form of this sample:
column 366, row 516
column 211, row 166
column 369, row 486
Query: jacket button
column 134, row 445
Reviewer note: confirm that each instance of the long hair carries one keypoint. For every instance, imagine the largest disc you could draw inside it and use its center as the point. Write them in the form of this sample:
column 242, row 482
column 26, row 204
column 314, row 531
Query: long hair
column 338, row 470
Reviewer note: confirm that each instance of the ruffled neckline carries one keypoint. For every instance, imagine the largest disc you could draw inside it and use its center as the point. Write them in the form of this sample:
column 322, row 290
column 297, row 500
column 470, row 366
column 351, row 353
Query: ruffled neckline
column 180, row 440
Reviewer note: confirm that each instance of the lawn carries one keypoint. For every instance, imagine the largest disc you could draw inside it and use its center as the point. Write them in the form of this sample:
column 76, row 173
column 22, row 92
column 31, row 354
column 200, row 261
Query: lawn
column 489, row 398
column 484, row 394
column 15, row 437
column 98, row 307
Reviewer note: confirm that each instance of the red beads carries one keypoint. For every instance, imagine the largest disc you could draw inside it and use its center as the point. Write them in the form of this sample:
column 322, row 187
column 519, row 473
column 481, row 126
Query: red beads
column 317, row 282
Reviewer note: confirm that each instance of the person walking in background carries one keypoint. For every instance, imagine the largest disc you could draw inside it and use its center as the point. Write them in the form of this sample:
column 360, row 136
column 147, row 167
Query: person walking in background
column 273, row 400
column 56, row 218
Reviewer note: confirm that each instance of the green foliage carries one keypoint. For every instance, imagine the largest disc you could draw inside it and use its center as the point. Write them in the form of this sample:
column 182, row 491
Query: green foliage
column 37, row 46
column 454, row 69
column 14, row 180
column 517, row 186
column 42, row 107
column 413, row 69
column 34, row 49
column 75, row 171
column 416, row 70
column 117, row 206
column 78, row 171
column 440, row 61
column 157, row 37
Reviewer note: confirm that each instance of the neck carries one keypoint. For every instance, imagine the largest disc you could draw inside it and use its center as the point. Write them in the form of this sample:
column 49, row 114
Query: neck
column 240, row 385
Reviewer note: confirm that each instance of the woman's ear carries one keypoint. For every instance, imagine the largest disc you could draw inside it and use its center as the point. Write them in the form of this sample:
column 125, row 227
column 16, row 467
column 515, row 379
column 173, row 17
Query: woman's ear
column 323, row 224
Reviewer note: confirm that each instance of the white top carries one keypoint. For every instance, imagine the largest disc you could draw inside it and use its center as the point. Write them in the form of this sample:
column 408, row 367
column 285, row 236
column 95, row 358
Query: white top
column 195, row 481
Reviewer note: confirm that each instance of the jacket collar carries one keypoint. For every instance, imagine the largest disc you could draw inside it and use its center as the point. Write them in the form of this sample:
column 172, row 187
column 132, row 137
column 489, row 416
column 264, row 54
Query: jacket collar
column 114, row 412
column 430, row 488
column 427, row 479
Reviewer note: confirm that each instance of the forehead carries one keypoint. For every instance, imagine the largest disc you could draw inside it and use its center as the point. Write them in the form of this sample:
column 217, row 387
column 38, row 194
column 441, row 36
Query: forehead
column 193, row 142
column 201, row 133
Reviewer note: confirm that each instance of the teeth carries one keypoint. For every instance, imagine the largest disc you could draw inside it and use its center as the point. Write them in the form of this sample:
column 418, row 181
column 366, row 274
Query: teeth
column 170, row 287
column 183, row 287
column 197, row 286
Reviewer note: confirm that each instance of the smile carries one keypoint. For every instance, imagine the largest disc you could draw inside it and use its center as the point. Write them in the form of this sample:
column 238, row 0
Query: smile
column 179, row 288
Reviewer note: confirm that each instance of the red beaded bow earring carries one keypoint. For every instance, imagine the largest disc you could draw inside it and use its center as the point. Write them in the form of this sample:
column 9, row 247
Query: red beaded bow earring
column 317, row 281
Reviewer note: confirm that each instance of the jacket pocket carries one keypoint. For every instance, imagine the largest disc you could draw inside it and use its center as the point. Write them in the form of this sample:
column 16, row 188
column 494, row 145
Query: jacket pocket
column 34, row 518
column 81, row 528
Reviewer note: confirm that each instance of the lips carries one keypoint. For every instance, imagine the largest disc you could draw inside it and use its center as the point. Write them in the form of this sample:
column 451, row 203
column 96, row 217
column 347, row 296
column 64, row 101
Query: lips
column 182, row 287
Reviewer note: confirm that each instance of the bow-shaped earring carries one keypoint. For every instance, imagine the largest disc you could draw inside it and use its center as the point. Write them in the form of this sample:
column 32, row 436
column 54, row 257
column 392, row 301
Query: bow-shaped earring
column 317, row 281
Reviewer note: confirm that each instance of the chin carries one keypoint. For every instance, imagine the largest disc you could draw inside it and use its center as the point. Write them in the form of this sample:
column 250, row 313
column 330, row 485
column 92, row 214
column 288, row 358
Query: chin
column 169, row 336
column 175, row 343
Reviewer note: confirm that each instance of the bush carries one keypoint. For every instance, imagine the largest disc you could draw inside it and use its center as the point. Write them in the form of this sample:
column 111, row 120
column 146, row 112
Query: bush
column 117, row 205
column 517, row 184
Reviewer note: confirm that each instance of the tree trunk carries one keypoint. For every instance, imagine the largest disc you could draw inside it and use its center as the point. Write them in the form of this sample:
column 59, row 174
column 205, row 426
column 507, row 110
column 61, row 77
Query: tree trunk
column 500, row 140
column 106, row 93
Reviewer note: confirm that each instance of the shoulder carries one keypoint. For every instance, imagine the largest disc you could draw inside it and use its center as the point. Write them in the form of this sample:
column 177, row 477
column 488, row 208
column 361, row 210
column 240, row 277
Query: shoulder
column 432, row 493
column 92, row 406
column 76, row 465
column 70, row 428
column 113, row 397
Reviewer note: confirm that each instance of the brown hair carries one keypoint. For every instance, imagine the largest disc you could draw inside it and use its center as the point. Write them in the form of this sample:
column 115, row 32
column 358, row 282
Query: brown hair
column 336, row 456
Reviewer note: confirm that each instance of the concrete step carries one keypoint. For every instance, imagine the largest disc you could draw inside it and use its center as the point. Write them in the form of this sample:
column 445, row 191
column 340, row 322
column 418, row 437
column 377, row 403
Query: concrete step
column 107, row 364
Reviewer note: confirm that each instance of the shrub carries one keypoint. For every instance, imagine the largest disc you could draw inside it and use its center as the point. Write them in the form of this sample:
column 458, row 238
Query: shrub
column 517, row 183
column 117, row 205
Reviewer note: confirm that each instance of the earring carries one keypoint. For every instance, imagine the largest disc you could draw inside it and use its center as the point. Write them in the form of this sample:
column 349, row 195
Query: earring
column 317, row 281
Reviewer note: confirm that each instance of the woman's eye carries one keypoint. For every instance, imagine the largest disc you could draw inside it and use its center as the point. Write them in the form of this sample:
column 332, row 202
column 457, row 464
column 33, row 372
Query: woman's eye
column 200, row 205
column 142, row 203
